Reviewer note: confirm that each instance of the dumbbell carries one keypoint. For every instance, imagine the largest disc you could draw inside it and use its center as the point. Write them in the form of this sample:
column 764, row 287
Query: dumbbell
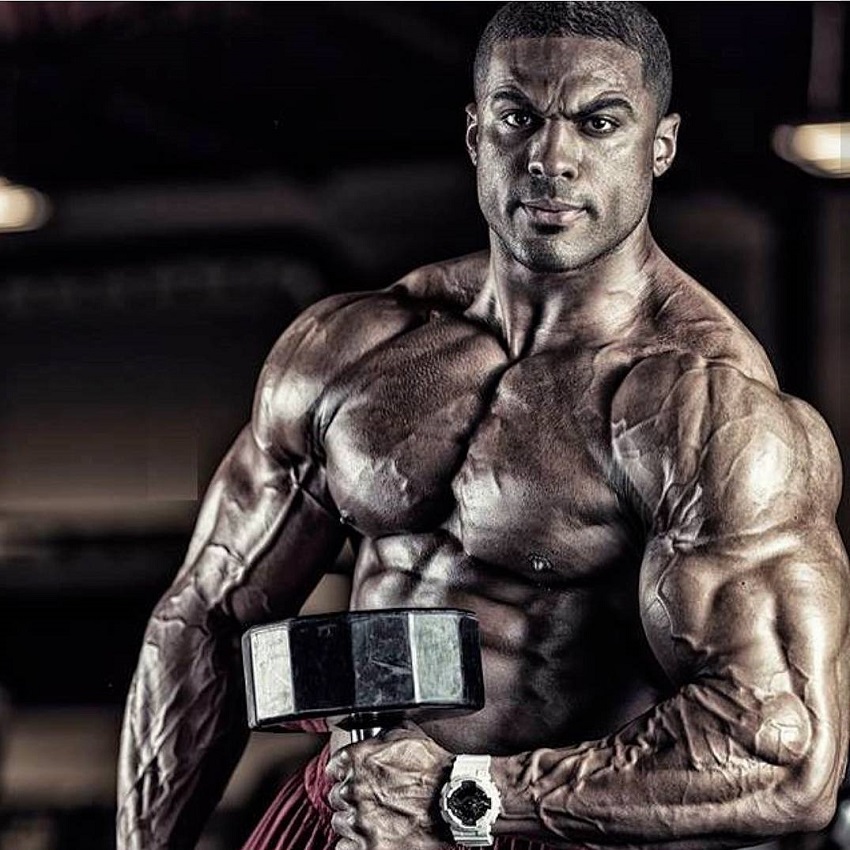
column 363, row 670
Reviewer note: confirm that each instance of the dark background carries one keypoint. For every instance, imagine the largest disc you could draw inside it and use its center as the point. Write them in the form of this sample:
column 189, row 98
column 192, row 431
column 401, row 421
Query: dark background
column 212, row 169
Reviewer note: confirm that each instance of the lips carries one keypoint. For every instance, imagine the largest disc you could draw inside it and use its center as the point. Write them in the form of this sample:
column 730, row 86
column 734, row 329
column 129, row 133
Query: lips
column 552, row 212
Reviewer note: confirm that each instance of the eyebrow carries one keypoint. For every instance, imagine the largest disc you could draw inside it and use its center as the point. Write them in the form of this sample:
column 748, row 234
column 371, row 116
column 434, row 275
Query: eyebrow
column 584, row 111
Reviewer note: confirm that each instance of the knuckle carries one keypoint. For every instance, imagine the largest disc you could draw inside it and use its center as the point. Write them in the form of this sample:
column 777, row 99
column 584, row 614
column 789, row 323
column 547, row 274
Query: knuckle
column 335, row 797
column 341, row 824
column 338, row 766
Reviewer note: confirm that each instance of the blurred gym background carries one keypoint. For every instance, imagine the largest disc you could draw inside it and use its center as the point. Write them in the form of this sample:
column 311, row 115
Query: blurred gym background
column 180, row 179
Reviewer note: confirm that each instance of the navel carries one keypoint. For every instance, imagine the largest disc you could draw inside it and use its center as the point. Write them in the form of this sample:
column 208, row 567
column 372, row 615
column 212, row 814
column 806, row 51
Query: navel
column 539, row 563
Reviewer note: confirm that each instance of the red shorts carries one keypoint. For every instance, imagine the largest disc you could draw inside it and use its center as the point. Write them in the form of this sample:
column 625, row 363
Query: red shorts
column 300, row 817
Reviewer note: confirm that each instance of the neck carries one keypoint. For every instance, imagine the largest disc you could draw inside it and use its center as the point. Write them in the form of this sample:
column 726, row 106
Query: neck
column 533, row 311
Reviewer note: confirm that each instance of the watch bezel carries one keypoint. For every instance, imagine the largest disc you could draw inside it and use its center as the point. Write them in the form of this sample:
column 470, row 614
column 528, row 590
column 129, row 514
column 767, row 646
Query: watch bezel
column 487, row 819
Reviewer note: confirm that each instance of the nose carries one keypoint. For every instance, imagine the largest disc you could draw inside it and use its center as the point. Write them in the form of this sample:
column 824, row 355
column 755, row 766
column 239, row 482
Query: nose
column 554, row 151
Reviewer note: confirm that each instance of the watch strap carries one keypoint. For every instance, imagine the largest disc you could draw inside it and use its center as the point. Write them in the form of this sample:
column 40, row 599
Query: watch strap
column 474, row 767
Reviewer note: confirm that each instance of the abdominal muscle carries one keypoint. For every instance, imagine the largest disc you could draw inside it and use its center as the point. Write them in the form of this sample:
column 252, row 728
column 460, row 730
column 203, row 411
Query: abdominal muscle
column 560, row 666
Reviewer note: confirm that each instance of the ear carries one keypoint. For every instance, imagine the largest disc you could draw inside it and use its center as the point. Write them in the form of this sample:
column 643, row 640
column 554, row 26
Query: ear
column 472, row 132
column 664, row 146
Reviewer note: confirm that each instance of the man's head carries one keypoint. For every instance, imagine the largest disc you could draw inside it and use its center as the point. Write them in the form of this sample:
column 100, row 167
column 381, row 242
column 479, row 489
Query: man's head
column 628, row 23
column 567, row 130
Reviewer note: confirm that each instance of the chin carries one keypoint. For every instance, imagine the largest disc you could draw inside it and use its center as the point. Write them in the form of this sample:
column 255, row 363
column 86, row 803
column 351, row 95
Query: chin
column 550, row 259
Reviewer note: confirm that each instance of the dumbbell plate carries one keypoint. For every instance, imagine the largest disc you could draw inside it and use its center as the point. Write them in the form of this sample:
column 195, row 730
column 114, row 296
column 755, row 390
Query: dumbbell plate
column 361, row 665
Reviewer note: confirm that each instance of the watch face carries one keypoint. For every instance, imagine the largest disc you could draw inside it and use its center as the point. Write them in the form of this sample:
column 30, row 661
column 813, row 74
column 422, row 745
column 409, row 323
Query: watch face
column 469, row 802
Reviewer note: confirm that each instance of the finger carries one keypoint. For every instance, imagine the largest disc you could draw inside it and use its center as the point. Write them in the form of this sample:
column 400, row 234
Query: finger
column 337, row 797
column 338, row 765
column 342, row 823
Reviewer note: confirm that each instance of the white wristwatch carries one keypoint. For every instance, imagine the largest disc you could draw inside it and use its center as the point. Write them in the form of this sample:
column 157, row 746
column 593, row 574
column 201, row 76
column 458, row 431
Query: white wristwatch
column 470, row 802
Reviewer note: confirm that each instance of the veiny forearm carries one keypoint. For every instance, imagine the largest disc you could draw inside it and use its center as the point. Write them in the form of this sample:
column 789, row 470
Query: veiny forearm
column 713, row 763
column 184, row 728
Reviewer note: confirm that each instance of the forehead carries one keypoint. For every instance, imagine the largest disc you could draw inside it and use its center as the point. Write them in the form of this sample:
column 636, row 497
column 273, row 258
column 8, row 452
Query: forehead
column 564, row 65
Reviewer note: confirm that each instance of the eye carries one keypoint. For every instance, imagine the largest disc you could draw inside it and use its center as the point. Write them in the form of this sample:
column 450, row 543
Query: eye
column 599, row 125
column 519, row 119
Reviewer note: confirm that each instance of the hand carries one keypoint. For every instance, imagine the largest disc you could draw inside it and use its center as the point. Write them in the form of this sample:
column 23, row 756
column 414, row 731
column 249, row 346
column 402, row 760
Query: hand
column 386, row 792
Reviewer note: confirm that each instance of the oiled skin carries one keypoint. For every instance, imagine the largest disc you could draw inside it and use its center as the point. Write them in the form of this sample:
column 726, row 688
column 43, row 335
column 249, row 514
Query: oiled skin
column 564, row 496
column 573, row 439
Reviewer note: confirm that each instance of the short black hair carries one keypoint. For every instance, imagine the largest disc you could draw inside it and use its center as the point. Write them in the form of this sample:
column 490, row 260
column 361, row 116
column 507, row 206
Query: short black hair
column 628, row 23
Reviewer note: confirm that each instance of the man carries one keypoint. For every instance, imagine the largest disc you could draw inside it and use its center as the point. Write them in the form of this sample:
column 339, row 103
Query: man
column 567, row 435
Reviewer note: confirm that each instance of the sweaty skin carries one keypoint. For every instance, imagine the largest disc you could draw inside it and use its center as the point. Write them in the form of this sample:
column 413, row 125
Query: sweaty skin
column 569, row 436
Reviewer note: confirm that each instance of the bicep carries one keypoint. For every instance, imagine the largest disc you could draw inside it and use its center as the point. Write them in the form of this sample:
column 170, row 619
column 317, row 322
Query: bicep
column 744, row 583
column 264, row 536
column 761, row 619
column 758, row 645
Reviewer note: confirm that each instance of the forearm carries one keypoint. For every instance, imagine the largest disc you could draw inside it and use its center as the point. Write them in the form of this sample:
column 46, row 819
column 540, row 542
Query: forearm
column 704, row 765
column 184, row 730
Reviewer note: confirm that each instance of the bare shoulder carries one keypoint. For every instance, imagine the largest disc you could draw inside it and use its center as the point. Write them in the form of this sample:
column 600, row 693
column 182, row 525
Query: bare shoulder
column 686, row 317
column 332, row 336
column 453, row 283
column 712, row 449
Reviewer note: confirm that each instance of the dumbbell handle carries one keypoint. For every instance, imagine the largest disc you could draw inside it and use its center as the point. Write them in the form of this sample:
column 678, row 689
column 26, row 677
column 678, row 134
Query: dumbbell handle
column 363, row 734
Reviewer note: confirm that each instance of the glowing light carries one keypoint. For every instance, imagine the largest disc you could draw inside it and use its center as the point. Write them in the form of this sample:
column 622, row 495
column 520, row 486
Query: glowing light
column 819, row 149
column 21, row 208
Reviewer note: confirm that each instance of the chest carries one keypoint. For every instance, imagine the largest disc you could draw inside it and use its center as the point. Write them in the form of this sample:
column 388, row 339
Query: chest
column 440, row 431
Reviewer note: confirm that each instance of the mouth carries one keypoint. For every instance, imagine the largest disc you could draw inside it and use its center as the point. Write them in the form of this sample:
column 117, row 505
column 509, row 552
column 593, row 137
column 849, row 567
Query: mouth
column 552, row 213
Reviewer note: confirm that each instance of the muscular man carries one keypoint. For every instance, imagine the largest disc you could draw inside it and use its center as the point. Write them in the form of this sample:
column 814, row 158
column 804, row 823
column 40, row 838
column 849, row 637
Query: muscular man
column 567, row 435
